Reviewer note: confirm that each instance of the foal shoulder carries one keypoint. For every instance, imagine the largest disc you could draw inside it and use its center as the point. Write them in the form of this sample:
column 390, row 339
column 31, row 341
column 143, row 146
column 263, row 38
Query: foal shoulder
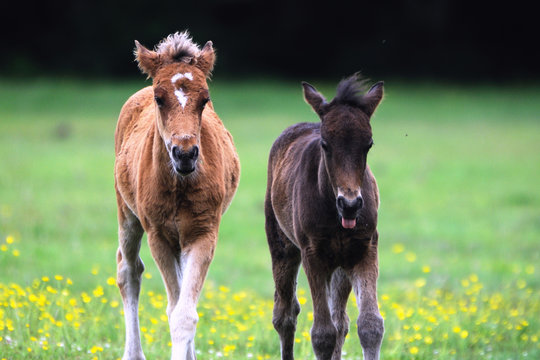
column 131, row 113
column 292, row 134
column 140, row 100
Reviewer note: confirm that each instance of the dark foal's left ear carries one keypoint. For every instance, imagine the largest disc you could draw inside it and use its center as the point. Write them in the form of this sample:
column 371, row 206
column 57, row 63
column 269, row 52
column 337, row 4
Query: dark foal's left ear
column 206, row 59
column 373, row 98
column 314, row 98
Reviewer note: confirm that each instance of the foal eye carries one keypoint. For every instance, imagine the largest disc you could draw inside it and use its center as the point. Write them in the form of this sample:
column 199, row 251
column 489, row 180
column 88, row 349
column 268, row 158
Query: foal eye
column 324, row 145
column 370, row 145
column 158, row 100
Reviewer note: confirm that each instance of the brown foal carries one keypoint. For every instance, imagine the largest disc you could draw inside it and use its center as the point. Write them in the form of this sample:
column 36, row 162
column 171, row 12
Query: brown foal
column 176, row 173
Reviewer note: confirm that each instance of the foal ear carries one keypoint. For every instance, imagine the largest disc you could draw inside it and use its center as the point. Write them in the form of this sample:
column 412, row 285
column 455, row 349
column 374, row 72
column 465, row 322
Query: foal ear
column 314, row 98
column 206, row 59
column 373, row 98
column 148, row 60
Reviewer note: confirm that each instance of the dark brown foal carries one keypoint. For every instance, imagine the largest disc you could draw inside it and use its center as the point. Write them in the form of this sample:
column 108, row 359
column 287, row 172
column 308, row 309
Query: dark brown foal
column 321, row 210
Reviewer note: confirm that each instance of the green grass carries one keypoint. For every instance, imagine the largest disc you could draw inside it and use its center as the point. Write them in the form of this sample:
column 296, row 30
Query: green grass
column 458, row 169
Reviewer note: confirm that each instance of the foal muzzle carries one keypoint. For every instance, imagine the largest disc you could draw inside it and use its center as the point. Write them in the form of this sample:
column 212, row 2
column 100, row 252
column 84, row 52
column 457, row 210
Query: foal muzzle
column 184, row 161
column 349, row 210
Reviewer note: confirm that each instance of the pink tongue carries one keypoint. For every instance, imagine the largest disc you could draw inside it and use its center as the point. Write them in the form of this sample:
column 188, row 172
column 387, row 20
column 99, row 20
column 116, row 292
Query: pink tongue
column 348, row 224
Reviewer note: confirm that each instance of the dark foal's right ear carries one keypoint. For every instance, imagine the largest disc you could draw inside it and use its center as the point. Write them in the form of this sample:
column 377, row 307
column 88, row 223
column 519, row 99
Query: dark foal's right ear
column 314, row 98
column 373, row 97
column 148, row 60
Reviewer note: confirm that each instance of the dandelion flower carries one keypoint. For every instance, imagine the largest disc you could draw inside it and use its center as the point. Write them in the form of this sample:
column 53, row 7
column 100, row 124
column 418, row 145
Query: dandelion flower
column 410, row 257
column 98, row 291
column 398, row 248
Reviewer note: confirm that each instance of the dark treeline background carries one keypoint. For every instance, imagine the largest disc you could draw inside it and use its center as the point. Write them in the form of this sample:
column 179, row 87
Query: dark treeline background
column 447, row 39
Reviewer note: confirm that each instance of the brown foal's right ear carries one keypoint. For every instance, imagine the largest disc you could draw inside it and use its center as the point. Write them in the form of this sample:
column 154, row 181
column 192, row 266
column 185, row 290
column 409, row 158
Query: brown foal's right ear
column 314, row 98
column 148, row 60
column 206, row 59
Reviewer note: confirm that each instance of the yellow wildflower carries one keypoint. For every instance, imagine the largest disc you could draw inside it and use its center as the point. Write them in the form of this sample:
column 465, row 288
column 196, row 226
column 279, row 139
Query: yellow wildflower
column 398, row 248
column 420, row 282
column 98, row 291
column 410, row 257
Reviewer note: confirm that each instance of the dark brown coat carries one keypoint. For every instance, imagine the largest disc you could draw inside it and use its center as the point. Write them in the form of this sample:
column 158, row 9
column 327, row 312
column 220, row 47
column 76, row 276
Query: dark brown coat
column 321, row 210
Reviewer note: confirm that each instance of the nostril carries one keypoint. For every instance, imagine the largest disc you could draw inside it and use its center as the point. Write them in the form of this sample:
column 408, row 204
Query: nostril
column 194, row 153
column 176, row 152
column 341, row 202
column 359, row 202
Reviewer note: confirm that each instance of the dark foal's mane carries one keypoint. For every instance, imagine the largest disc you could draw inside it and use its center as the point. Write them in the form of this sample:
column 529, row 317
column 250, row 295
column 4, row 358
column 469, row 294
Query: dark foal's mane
column 350, row 91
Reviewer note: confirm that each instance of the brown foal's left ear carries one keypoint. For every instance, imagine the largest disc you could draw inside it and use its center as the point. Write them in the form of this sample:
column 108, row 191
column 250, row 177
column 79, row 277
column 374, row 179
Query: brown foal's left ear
column 148, row 60
column 206, row 59
column 314, row 98
column 373, row 98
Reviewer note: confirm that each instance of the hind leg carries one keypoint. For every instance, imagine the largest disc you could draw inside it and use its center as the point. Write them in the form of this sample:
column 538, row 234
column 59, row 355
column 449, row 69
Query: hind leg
column 129, row 270
column 285, row 263
column 340, row 288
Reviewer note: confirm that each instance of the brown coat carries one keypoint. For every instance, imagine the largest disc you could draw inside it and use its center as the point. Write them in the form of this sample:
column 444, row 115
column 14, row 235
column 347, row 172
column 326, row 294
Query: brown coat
column 176, row 173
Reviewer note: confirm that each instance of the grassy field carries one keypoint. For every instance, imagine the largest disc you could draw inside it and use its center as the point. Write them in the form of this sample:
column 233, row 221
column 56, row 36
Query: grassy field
column 458, row 169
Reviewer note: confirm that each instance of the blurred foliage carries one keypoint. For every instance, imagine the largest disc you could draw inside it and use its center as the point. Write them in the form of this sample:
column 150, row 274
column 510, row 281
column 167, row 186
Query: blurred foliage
column 419, row 38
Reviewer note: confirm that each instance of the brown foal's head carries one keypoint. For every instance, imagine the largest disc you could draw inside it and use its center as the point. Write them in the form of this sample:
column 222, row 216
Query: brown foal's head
column 179, row 71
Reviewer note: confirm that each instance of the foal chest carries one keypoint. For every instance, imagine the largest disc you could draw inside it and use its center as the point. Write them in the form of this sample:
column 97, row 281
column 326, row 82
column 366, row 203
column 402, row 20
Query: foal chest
column 343, row 251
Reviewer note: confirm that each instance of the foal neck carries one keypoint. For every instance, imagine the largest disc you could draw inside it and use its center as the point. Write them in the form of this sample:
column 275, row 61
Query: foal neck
column 323, row 181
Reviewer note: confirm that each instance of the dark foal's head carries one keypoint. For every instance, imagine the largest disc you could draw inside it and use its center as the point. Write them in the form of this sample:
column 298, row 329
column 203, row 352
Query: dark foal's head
column 179, row 70
column 345, row 140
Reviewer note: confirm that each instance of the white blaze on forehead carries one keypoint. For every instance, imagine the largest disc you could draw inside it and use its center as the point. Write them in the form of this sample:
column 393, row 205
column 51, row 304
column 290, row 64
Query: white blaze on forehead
column 178, row 76
column 182, row 98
